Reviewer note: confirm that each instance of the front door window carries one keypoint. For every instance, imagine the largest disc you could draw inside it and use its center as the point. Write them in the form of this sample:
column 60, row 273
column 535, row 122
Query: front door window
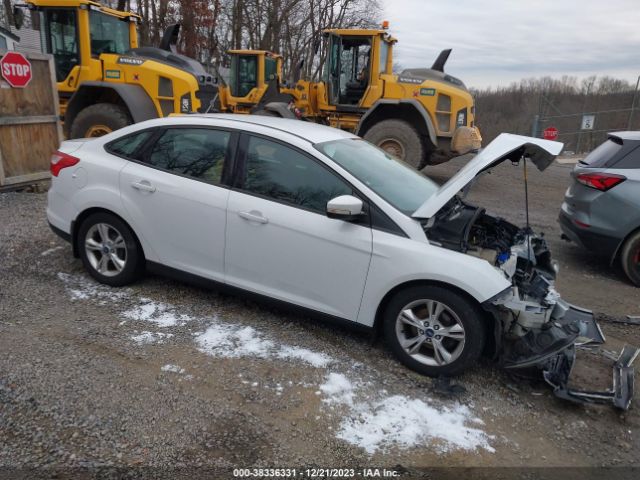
column 244, row 72
column 349, row 69
column 285, row 175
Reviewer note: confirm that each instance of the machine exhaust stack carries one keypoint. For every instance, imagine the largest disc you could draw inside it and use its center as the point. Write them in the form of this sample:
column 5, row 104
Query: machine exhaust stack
column 438, row 65
column 170, row 38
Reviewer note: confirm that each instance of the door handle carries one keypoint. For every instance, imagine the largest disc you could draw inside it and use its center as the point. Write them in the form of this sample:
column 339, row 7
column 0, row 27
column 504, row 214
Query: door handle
column 253, row 216
column 143, row 185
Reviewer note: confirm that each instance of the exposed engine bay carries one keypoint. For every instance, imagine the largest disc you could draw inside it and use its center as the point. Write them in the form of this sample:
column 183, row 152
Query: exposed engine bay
column 534, row 327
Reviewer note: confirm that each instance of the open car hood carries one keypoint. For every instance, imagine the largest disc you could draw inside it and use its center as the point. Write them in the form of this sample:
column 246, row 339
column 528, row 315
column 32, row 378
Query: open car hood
column 506, row 146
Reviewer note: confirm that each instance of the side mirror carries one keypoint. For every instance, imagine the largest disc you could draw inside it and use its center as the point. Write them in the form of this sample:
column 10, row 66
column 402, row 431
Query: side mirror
column 345, row 207
column 18, row 17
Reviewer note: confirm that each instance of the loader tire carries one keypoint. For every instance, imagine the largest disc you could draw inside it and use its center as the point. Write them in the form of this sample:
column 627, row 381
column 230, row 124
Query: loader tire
column 400, row 139
column 99, row 119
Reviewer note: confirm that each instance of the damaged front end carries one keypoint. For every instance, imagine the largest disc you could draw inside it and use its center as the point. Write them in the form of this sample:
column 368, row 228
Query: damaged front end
column 534, row 327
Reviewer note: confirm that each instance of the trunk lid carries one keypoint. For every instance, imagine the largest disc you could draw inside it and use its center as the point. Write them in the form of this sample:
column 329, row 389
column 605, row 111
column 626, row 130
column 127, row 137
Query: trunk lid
column 70, row 146
column 506, row 146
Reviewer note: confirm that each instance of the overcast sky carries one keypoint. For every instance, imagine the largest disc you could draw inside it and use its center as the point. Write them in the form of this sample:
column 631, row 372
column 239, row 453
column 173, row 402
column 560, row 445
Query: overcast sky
column 496, row 42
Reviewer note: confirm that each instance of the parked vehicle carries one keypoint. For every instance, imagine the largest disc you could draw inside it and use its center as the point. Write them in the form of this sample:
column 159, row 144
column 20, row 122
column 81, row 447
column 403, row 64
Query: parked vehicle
column 421, row 115
column 321, row 219
column 601, row 209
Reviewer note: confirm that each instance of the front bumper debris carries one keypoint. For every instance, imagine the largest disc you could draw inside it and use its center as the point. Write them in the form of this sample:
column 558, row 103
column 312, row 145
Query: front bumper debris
column 576, row 327
column 558, row 369
column 553, row 350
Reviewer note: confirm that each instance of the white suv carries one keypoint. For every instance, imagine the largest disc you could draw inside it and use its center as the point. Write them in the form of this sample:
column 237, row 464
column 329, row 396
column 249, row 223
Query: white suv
column 321, row 219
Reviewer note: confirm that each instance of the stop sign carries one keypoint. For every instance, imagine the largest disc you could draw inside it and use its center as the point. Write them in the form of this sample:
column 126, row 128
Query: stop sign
column 550, row 133
column 15, row 69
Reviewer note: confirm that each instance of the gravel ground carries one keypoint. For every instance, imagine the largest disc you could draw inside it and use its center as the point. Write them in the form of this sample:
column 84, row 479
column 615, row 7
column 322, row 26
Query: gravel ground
column 93, row 377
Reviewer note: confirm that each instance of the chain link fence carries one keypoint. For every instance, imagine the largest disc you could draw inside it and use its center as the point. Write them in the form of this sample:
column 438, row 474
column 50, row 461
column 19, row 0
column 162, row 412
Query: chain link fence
column 582, row 132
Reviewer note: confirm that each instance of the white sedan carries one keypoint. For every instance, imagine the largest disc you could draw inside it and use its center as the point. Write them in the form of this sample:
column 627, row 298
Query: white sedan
column 320, row 219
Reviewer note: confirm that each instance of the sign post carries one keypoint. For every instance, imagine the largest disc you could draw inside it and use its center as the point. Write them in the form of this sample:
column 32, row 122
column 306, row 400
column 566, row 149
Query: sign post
column 550, row 133
column 16, row 69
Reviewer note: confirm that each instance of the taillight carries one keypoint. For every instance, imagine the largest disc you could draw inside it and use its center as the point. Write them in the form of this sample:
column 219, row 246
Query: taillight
column 61, row 160
column 600, row 181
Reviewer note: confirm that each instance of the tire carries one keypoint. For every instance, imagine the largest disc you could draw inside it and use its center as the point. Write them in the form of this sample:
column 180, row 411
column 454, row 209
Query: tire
column 123, row 263
column 459, row 317
column 401, row 139
column 630, row 258
column 99, row 119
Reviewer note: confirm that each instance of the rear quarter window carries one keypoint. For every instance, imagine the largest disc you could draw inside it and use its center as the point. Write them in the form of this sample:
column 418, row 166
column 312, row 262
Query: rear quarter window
column 601, row 156
column 128, row 146
column 630, row 160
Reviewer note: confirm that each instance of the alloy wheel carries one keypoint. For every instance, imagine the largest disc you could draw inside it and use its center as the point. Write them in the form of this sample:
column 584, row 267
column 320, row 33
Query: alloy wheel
column 106, row 249
column 430, row 332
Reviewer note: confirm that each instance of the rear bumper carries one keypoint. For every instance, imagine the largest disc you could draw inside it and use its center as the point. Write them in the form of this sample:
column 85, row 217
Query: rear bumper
column 595, row 242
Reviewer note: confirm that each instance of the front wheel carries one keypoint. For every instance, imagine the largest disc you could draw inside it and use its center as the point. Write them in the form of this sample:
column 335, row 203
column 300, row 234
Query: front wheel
column 109, row 250
column 98, row 120
column 630, row 258
column 400, row 139
column 434, row 331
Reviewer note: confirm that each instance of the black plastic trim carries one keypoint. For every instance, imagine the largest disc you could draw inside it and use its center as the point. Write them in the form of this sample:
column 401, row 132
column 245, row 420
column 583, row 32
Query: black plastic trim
column 61, row 233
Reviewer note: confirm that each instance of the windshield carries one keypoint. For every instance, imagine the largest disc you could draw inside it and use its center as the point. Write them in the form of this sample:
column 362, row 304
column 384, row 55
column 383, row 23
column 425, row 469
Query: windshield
column 108, row 34
column 390, row 178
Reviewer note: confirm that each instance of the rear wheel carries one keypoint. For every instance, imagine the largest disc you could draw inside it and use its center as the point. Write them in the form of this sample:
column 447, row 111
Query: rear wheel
column 109, row 250
column 400, row 139
column 630, row 258
column 99, row 119
column 433, row 330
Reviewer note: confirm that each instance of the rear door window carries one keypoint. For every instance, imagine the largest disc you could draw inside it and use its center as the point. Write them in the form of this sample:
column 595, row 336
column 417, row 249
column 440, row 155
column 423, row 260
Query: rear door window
column 198, row 153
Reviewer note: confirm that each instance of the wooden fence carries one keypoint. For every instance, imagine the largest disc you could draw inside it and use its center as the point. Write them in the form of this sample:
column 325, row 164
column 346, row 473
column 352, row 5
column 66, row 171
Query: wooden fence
column 30, row 129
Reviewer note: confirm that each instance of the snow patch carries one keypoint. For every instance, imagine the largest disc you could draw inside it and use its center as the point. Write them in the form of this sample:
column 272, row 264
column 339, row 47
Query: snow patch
column 172, row 368
column 316, row 359
column 233, row 341
column 80, row 288
column 405, row 422
column 146, row 338
column 338, row 389
column 50, row 251
column 161, row 314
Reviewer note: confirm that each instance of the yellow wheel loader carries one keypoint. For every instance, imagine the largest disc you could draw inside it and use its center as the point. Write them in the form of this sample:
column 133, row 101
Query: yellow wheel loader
column 105, row 80
column 421, row 116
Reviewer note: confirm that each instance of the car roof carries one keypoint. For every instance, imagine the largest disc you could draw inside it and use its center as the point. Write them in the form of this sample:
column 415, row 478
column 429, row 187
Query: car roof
column 626, row 135
column 312, row 132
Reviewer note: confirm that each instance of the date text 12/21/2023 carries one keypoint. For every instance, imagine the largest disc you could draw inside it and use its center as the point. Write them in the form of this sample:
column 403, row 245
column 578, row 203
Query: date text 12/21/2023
column 315, row 473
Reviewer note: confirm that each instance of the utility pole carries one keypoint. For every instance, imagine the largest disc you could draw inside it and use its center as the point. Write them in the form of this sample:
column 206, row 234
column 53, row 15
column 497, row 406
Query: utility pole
column 633, row 104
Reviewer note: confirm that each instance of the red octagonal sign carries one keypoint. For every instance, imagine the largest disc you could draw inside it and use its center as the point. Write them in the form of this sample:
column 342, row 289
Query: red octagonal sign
column 550, row 133
column 16, row 69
